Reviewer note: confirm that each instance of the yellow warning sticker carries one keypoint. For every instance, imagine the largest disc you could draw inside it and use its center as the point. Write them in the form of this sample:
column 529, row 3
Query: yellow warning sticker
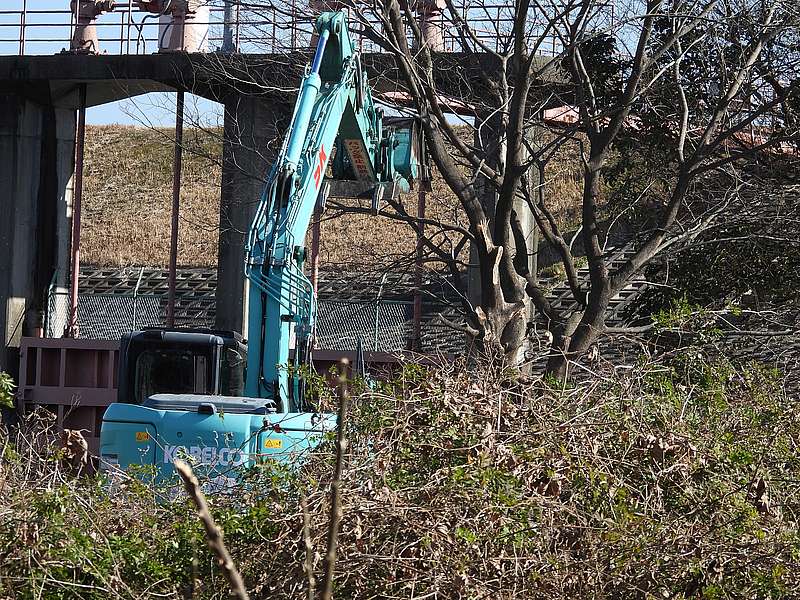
column 142, row 436
column 273, row 443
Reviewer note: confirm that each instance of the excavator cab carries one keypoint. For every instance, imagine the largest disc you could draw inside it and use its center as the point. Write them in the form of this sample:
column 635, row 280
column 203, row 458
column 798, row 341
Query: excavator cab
column 181, row 396
column 180, row 361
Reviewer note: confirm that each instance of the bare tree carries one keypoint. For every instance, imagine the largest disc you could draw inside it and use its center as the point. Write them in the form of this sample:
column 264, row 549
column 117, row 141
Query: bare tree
column 705, row 136
column 707, row 89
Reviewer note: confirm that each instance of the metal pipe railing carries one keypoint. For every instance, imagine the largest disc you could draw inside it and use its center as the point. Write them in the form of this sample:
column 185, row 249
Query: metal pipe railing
column 38, row 30
column 232, row 27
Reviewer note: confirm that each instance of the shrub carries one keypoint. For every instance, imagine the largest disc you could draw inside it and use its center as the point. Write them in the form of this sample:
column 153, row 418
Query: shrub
column 678, row 479
column 7, row 388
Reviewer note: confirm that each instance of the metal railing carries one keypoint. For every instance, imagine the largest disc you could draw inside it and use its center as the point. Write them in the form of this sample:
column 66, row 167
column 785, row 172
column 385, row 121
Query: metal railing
column 29, row 27
column 34, row 27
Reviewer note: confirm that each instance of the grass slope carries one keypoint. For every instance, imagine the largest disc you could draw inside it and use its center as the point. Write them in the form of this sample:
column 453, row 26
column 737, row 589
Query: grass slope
column 128, row 200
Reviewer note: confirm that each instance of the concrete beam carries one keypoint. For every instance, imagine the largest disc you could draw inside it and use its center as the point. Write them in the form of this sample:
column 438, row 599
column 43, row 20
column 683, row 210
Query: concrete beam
column 219, row 77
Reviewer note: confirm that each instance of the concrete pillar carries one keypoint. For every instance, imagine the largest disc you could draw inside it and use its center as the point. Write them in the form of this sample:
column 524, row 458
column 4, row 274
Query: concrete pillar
column 55, row 219
column 431, row 23
column 66, row 125
column 254, row 131
column 36, row 146
column 489, row 137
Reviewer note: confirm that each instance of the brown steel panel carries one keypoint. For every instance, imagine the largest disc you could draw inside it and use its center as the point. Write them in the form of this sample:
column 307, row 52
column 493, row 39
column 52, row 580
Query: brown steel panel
column 38, row 351
column 81, row 368
column 72, row 396
column 62, row 367
column 103, row 369
column 70, row 343
column 114, row 354
column 27, row 366
column 79, row 417
column 50, row 367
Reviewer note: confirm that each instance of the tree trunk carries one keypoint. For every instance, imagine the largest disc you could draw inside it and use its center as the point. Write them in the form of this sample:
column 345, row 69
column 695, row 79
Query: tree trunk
column 501, row 322
column 575, row 337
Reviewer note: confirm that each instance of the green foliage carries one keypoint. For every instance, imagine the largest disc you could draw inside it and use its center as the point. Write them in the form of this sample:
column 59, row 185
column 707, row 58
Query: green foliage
column 677, row 314
column 7, row 388
column 319, row 394
column 605, row 66
column 741, row 262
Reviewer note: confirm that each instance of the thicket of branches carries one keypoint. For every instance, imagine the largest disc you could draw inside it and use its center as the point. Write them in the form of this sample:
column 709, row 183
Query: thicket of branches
column 675, row 478
column 675, row 110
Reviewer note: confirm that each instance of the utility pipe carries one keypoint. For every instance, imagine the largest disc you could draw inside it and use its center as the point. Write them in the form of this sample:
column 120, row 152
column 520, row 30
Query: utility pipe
column 176, row 199
column 228, row 45
column 80, row 137
column 23, row 21
column 136, row 297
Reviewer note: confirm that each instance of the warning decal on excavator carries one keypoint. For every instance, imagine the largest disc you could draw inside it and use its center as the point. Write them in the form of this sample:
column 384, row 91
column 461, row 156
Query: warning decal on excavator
column 273, row 443
column 358, row 158
column 320, row 171
column 142, row 436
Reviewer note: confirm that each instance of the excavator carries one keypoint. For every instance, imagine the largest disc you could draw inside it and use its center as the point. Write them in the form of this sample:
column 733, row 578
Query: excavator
column 212, row 398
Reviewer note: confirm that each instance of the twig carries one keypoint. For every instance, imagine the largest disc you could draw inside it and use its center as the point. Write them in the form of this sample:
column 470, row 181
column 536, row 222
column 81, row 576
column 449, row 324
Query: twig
column 213, row 531
column 336, row 486
column 309, row 565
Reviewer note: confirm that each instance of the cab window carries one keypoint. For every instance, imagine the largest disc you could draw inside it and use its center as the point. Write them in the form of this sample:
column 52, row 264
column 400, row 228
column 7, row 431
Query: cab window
column 170, row 372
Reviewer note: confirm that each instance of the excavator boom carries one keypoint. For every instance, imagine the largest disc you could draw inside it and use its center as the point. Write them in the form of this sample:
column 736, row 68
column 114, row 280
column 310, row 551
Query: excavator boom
column 335, row 116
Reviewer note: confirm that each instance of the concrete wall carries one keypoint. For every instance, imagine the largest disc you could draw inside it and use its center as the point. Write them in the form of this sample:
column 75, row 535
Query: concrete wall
column 36, row 148
column 254, row 132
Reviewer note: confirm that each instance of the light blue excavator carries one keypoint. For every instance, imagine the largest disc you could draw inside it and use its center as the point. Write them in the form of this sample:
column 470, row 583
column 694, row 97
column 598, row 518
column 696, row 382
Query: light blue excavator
column 206, row 396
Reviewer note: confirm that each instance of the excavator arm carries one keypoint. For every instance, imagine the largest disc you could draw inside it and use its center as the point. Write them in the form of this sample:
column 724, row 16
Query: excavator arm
column 334, row 116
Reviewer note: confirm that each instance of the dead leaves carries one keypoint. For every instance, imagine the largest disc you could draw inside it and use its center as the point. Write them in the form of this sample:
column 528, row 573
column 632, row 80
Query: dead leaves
column 761, row 498
column 75, row 449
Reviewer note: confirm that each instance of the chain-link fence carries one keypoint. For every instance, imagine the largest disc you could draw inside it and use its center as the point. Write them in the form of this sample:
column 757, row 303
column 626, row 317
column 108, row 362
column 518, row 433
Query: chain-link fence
column 104, row 316
column 381, row 325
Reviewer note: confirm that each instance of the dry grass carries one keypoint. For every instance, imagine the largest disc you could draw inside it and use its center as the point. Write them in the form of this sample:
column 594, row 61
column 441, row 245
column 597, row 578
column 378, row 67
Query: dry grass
column 128, row 199
column 128, row 196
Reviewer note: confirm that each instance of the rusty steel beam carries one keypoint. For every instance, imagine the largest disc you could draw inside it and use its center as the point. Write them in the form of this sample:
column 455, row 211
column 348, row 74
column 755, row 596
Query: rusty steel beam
column 80, row 138
column 176, row 205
